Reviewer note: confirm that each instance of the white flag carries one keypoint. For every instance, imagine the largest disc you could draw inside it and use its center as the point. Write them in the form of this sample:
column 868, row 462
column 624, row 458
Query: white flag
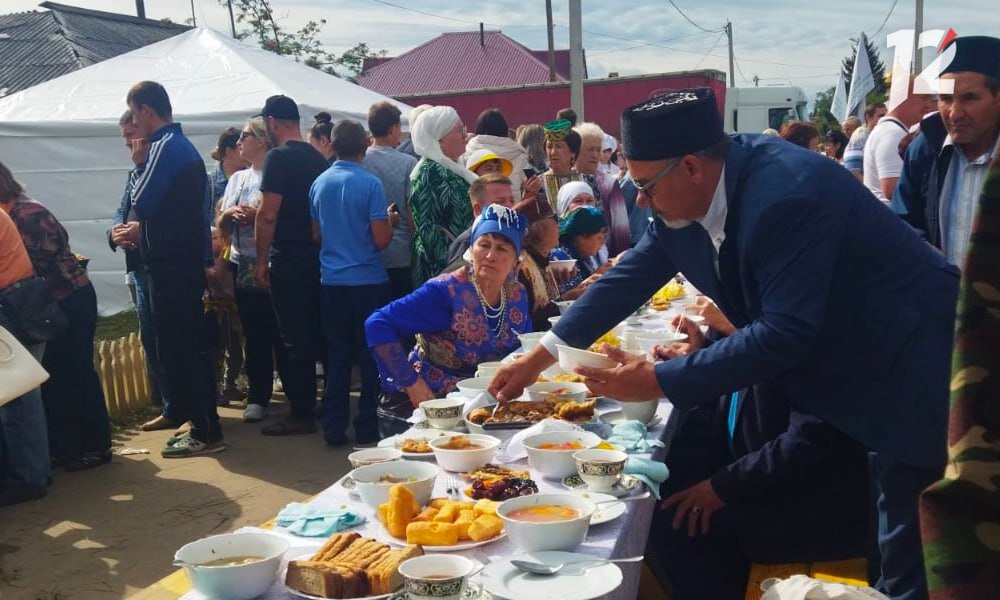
column 862, row 81
column 838, row 108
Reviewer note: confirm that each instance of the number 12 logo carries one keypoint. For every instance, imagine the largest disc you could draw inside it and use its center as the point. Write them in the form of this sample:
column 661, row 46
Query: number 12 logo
column 929, row 80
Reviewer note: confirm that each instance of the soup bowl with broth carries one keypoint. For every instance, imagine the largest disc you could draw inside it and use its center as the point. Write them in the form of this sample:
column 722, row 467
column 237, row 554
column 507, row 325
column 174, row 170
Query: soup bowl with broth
column 542, row 522
column 237, row 566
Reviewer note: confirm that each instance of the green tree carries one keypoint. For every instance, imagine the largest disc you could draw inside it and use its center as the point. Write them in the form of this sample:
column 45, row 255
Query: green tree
column 260, row 23
column 881, row 91
column 821, row 116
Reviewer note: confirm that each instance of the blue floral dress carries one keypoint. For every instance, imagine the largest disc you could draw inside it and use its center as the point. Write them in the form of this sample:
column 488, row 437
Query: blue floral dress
column 453, row 333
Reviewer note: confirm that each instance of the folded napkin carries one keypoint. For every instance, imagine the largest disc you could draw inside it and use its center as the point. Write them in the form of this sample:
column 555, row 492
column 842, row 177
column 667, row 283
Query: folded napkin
column 314, row 520
column 515, row 448
column 650, row 472
column 631, row 435
column 801, row 587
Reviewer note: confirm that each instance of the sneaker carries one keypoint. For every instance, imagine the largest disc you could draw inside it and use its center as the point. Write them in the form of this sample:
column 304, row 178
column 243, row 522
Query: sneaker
column 189, row 446
column 253, row 413
column 176, row 438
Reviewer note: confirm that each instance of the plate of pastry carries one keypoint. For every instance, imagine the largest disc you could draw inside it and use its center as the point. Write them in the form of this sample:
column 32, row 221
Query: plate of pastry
column 348, row 566
column 444, row 525
column 414, row 443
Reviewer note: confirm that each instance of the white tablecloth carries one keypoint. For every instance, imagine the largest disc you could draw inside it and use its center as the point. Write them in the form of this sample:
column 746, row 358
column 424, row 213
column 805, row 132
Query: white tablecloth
column 605, row 540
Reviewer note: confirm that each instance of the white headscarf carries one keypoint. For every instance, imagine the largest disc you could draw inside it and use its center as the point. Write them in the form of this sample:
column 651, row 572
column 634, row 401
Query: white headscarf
column 569, row 191
column 426, row 133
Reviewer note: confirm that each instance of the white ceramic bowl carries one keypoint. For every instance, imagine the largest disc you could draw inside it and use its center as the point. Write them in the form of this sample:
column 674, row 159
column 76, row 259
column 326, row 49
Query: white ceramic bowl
column 444, row 413
column 238, row 582
column 570, row 358
column 600, row 469
column 646, row 341
column 557, row 535
column 373, row 456
column 557, row 464
column 562, row 265
column 572, row 390
column 436, row 576
column 564, row 305
column 553, row 320
column 373, row 493
column 640, row 411
column 472, row 387
column 487, row 369
column 460, row 461
column 530, row 340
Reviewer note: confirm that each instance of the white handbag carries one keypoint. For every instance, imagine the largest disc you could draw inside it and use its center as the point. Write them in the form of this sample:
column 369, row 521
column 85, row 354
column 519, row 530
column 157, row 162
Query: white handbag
column 19, row 371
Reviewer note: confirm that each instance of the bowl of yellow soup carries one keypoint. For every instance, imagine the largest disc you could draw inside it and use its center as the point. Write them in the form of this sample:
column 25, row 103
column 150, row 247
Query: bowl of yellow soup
column 551, row 454
column 236, row 566
column 542, row 522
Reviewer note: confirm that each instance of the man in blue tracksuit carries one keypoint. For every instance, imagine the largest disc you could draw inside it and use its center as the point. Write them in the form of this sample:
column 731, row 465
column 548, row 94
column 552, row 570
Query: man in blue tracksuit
column 169, row 193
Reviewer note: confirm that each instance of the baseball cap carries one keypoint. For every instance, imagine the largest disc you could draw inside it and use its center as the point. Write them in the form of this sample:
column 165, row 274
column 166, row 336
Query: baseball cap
column 280, row 107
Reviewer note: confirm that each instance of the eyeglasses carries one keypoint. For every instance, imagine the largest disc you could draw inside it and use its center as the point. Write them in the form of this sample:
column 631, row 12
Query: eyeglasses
column 648, row 187
column 245, row 134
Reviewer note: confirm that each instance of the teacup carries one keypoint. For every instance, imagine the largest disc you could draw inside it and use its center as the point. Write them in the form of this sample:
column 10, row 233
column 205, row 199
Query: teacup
column 443, row 413
column 640, row 411
column 600, row 469
column 487, row 369
column 436, row 576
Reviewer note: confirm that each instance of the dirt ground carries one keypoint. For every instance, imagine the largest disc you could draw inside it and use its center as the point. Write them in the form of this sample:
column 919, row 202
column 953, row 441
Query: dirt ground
column 112, row 531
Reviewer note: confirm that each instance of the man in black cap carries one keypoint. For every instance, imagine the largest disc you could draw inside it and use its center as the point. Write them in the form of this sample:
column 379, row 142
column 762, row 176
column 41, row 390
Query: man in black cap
column 831, row 296
column 945, row 167
column 284, row 235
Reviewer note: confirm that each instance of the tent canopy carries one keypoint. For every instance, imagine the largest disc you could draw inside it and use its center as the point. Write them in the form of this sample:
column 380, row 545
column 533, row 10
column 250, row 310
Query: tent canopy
column 61, row 139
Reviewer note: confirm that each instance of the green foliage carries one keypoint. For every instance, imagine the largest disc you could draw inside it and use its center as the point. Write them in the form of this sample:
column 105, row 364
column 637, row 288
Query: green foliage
column 261, row 24
column 821, row 116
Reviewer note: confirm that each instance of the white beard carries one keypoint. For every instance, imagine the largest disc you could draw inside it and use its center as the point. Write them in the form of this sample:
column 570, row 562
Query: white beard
column 681, row 224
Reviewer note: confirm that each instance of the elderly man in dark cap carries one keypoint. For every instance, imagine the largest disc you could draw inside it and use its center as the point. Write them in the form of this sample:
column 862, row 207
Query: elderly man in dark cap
column 945, row 166
column 832, row 296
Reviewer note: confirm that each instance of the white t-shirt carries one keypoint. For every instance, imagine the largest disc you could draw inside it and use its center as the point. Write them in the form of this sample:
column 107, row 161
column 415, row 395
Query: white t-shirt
column 882, row 159
column 243, row 189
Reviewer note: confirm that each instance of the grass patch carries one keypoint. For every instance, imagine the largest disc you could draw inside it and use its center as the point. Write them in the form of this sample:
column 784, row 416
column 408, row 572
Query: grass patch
column 116, row 326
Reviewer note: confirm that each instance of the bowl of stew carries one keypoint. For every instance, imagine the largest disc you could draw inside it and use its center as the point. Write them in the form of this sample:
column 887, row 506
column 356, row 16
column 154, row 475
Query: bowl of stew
column 373, row 481
column 551, row 454
column 238, row 566
column 464, row 452
column 541, row 522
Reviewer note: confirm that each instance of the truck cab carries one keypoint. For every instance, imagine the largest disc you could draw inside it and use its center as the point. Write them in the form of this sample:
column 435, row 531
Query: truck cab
column 752, row 110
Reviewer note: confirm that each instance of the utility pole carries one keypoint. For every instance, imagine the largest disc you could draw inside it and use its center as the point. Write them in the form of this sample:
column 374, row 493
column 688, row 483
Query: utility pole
column 732, row 74
column 140, row 9
column 576, row 58
column 194, row 20
column 918, row 28
column 552, row 46
column 232, row 21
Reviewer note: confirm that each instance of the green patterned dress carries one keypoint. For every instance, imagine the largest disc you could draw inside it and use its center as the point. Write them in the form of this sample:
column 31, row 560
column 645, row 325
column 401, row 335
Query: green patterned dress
column 441, row 209
column 960, row 515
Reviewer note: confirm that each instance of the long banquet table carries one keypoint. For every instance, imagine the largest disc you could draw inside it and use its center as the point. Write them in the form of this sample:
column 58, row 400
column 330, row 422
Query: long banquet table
column 625, row 536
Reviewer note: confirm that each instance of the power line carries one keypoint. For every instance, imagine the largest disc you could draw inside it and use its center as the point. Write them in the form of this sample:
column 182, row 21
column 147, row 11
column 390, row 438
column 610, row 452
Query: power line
column 422, row 12
column 886, row 19
column 688, row 19
column 716, row 43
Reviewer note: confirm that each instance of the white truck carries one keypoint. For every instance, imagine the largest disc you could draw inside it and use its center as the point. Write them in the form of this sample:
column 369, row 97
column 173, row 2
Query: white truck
column 754, row 109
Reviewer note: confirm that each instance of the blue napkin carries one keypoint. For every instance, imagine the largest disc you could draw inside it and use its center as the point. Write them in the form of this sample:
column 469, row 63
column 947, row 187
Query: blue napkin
column 650, row 472
column 631, row 435
column 316, row 520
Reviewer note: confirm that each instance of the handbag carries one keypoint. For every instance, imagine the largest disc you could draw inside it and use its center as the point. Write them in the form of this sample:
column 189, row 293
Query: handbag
column 19, row 371
column 29, row 312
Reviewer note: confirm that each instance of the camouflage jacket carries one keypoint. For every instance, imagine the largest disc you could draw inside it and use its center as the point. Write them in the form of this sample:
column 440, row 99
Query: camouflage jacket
column 960, row 515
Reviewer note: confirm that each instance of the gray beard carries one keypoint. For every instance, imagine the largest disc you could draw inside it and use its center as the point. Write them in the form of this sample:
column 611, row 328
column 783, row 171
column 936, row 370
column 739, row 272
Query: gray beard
column 674, row 224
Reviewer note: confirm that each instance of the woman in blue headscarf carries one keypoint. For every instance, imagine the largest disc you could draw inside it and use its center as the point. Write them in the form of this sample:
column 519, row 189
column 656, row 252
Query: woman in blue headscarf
column 460, row 319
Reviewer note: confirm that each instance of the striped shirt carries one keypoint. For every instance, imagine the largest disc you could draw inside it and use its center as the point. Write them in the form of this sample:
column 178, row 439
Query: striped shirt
column 960, row 192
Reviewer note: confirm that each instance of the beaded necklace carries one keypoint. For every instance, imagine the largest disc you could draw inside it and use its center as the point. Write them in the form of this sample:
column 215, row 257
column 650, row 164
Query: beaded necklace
column 492, row 312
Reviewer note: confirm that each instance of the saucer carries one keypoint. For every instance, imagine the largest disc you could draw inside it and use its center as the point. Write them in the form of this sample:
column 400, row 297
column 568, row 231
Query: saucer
column 473, row 591
column 625, row 485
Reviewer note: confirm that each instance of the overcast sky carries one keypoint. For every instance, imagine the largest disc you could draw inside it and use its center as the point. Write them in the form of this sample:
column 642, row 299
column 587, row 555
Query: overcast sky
column 784, row 42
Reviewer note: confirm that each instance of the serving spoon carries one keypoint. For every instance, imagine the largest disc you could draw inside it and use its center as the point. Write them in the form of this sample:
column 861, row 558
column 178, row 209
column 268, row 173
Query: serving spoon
column 552, row 569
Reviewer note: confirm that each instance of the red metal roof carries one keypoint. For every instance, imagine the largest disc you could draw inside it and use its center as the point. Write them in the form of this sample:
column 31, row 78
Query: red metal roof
column 462, row 61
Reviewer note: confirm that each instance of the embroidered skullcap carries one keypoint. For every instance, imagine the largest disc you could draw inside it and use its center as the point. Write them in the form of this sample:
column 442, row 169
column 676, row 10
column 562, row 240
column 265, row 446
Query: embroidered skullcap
column 671, row 125
column 556, row 131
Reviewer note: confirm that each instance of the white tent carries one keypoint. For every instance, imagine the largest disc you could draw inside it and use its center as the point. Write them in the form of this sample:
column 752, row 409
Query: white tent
column 61, row 138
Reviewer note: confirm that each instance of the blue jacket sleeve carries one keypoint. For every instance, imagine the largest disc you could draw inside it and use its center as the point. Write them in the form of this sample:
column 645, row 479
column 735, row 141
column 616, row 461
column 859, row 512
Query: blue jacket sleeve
column 808, row 445
column 625, row 287
column 792, row 274
column 122, row 212
column 426, row 310
column 908, row 200
column 151, row 180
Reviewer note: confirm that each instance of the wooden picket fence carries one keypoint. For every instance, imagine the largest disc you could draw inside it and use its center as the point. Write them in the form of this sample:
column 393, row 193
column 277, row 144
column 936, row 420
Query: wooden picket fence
column 121, row 365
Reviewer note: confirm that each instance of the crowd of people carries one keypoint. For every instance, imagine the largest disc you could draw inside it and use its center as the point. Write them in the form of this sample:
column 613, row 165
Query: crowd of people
column 830, row 288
